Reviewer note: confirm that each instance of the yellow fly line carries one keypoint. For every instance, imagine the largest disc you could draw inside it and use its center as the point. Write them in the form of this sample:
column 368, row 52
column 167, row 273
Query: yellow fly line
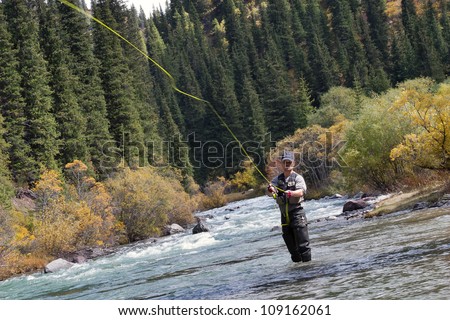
column 172, row 80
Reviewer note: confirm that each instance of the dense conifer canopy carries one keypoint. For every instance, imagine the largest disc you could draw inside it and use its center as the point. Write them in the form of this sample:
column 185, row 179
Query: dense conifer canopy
column 69, row 89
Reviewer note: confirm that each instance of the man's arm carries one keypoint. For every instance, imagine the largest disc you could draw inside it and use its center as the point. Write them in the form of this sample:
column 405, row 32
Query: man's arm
column 296, row 193
column 300, row 187
column 271, row 189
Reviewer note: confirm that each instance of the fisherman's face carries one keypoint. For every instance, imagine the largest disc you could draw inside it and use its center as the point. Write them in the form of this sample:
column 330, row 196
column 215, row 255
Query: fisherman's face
column 287, row 165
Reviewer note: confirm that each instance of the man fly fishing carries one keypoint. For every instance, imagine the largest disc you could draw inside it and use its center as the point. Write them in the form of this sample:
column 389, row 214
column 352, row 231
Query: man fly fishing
column 289, row 189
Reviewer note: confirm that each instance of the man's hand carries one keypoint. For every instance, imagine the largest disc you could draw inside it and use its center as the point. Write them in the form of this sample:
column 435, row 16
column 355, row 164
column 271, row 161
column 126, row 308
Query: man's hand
column 288, row 194
column 271, row 189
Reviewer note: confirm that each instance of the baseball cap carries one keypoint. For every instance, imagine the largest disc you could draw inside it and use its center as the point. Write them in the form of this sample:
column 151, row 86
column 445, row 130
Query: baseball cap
column 287, row 156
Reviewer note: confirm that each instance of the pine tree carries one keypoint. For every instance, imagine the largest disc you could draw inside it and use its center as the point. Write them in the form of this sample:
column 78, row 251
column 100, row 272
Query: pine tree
column 174, row 149
column 399, row 67
column 410, row 19
column 445, row 24
column 303, row 105
column 13, row 107
column 378, row 80
column 434, row 32
column 325, row 72
column 237, row 41
column 162, row 92
column 280, row 19
column 276, row 96
column 242, row 49
column 378, row 21
column 253, row 112
column 71, row 122
column 6, row 188
column 123, row 113
column 428, row 58
column 173, row 118
column 411, row 26
column 9, row 97
column 224, row 100
column 77, row 36
column 300, row 57
column 142, row 80
column 40, row 132
column 351, row 54
column 403, row 58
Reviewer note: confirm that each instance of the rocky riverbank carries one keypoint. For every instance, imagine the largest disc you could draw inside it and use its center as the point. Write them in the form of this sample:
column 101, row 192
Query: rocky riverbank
column 430, row 197
column 364, row 206
column 358, row 206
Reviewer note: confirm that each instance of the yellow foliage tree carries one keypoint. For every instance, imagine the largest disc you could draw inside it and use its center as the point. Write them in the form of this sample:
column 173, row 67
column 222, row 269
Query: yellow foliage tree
column 56, row 235
column 99, row 201
column 76, row 173
column 67, row 221
column 429, row 111
column 15, row 244
column 48, row 189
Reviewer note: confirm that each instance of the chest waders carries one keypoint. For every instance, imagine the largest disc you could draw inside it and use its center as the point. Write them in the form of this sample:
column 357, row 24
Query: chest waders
column 293, row 222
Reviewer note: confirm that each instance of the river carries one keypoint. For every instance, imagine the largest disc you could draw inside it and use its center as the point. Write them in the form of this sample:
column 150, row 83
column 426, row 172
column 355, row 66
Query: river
column 405, row 255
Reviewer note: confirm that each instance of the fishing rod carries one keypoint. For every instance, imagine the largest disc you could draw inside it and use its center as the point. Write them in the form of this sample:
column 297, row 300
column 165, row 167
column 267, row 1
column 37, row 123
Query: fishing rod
column 172, row 82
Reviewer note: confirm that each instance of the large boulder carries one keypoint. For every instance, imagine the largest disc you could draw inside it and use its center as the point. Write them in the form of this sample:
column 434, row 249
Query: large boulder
column 199, row 228
column 57, row 265
column 77, row 258
column 173, row 229
column 353, row 205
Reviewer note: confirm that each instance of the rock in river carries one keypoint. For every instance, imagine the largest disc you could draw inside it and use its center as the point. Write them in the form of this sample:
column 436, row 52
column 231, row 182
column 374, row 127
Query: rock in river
column 58, row 264
column 200, row 227
column 173, row 228
column 353, row 205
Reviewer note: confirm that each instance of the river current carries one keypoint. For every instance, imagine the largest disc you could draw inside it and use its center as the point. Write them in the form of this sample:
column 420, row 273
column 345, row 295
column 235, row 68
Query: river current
column 405, row 255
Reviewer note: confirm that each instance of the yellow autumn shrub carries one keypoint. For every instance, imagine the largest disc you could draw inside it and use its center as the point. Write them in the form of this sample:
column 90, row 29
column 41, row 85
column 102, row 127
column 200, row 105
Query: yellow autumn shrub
column 428, row 109
column 214, row 194
column 145, row 201
column 245, row 179
column 48, row 189
column 74, row 215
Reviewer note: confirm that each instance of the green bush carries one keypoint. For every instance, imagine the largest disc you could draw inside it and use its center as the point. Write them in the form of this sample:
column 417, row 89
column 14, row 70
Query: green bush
column 336, row 102
column 370, row 140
